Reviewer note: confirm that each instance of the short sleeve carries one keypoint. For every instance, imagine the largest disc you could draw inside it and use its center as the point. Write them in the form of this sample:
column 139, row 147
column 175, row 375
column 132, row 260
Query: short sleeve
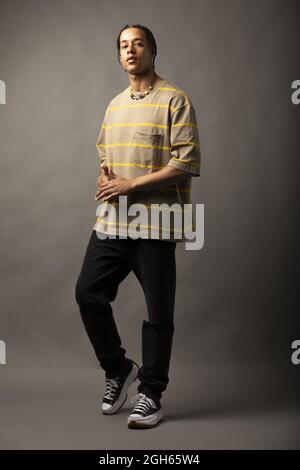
column 101, row 141
column 184, row 140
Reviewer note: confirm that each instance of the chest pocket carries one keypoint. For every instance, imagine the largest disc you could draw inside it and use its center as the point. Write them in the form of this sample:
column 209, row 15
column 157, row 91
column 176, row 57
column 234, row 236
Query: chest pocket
column 148, row 150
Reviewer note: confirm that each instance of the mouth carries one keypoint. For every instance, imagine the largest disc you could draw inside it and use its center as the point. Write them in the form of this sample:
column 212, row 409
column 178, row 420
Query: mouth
column 131, row 60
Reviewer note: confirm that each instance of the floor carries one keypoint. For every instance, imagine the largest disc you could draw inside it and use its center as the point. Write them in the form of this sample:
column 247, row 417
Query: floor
column 58, row 407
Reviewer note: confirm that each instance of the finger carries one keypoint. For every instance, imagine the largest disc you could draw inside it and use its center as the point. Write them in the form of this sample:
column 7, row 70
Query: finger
column 105, row 189
column 108, row 182
column 111, row 173
column 99, row 189
column 102, row 194
column 99, row 193
column 107, row 194
column 102, row 188
column 112, row 195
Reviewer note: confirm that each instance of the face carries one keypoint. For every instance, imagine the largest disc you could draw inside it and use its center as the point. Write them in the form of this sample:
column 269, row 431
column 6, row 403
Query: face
column 133, row 44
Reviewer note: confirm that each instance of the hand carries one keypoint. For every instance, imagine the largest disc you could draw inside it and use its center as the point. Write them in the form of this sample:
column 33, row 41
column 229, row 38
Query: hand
column 114, row 186
column 102, row 178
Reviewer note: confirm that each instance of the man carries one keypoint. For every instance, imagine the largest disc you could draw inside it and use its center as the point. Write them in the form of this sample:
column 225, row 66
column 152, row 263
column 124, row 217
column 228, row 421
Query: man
column 149, row 150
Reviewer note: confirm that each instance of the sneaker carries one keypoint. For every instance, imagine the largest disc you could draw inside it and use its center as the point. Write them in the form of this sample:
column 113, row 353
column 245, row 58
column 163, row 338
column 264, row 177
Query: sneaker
column 146, row 413
column 116, row 390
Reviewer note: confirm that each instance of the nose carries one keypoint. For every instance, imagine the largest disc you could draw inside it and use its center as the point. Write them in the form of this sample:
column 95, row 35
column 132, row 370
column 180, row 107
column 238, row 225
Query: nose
column 130, row 49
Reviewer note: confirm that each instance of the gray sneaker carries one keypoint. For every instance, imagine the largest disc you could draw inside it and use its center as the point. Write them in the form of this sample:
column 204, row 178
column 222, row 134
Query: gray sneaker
column 116, row 390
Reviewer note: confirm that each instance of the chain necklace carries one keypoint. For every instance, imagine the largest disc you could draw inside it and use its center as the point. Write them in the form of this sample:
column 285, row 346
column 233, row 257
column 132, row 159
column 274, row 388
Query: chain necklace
column 139, row 95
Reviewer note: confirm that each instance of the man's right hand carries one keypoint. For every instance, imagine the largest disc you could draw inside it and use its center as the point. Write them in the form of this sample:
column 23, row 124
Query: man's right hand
column 102, row 178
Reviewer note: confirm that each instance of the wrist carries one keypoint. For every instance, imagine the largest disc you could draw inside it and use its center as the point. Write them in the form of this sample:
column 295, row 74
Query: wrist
column 134, row 184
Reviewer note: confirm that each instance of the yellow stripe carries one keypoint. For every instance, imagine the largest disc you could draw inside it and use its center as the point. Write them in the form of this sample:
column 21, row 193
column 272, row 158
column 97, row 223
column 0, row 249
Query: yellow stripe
column 114, row 203
column 186, row 143
column 185, row 124
column 129, row 144
column 149, row 146
column 141, row 165
column 174, row 89
column 189, row 162
column 161, row 189
column 143, row 226
column 151, row 124
column 140, row 105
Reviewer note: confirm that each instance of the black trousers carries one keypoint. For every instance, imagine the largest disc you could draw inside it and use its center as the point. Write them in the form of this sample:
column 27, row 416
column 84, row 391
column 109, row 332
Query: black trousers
column 106, row 264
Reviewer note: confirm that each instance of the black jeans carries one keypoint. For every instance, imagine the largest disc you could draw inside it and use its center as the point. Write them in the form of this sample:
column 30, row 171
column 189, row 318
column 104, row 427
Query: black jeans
column 106, row 264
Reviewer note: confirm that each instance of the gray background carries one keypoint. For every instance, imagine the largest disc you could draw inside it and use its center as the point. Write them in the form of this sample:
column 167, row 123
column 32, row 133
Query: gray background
column 232, row 383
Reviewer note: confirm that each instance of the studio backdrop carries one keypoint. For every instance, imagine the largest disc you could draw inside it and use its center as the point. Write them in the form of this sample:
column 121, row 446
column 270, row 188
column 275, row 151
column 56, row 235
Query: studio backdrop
column 234, row 370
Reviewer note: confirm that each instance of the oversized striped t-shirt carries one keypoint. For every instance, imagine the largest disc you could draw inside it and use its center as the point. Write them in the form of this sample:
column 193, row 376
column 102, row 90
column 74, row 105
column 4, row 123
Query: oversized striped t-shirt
column 139, row 137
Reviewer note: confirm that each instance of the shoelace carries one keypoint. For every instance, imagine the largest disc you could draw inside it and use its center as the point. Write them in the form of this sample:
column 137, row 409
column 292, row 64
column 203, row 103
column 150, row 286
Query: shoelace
column 111, row 386
column 143, row 403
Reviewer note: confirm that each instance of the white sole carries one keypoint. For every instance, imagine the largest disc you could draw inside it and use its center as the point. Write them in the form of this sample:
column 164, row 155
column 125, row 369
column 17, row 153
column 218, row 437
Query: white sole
column 123, row 395
column 147, row 422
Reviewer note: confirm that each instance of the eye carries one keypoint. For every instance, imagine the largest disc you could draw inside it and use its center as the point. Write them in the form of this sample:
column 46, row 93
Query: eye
column 136, row 44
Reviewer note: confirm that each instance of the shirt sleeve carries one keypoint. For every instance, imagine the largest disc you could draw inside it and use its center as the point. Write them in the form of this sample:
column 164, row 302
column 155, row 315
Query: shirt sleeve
column 100, row 145
column 184, row 140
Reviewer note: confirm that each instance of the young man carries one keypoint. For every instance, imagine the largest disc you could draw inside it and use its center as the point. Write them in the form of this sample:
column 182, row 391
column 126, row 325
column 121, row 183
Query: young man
column 149, row 150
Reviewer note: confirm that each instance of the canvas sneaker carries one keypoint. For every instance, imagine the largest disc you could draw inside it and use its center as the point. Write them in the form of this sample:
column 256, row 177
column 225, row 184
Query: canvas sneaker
column 146, row 413
column 116, row 390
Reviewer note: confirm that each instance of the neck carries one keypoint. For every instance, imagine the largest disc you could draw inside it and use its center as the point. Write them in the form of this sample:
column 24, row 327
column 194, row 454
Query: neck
column 141, row 83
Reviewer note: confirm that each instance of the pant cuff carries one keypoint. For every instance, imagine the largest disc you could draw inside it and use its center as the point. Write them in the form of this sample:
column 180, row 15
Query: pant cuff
column 124, row 369
column 150, row 393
